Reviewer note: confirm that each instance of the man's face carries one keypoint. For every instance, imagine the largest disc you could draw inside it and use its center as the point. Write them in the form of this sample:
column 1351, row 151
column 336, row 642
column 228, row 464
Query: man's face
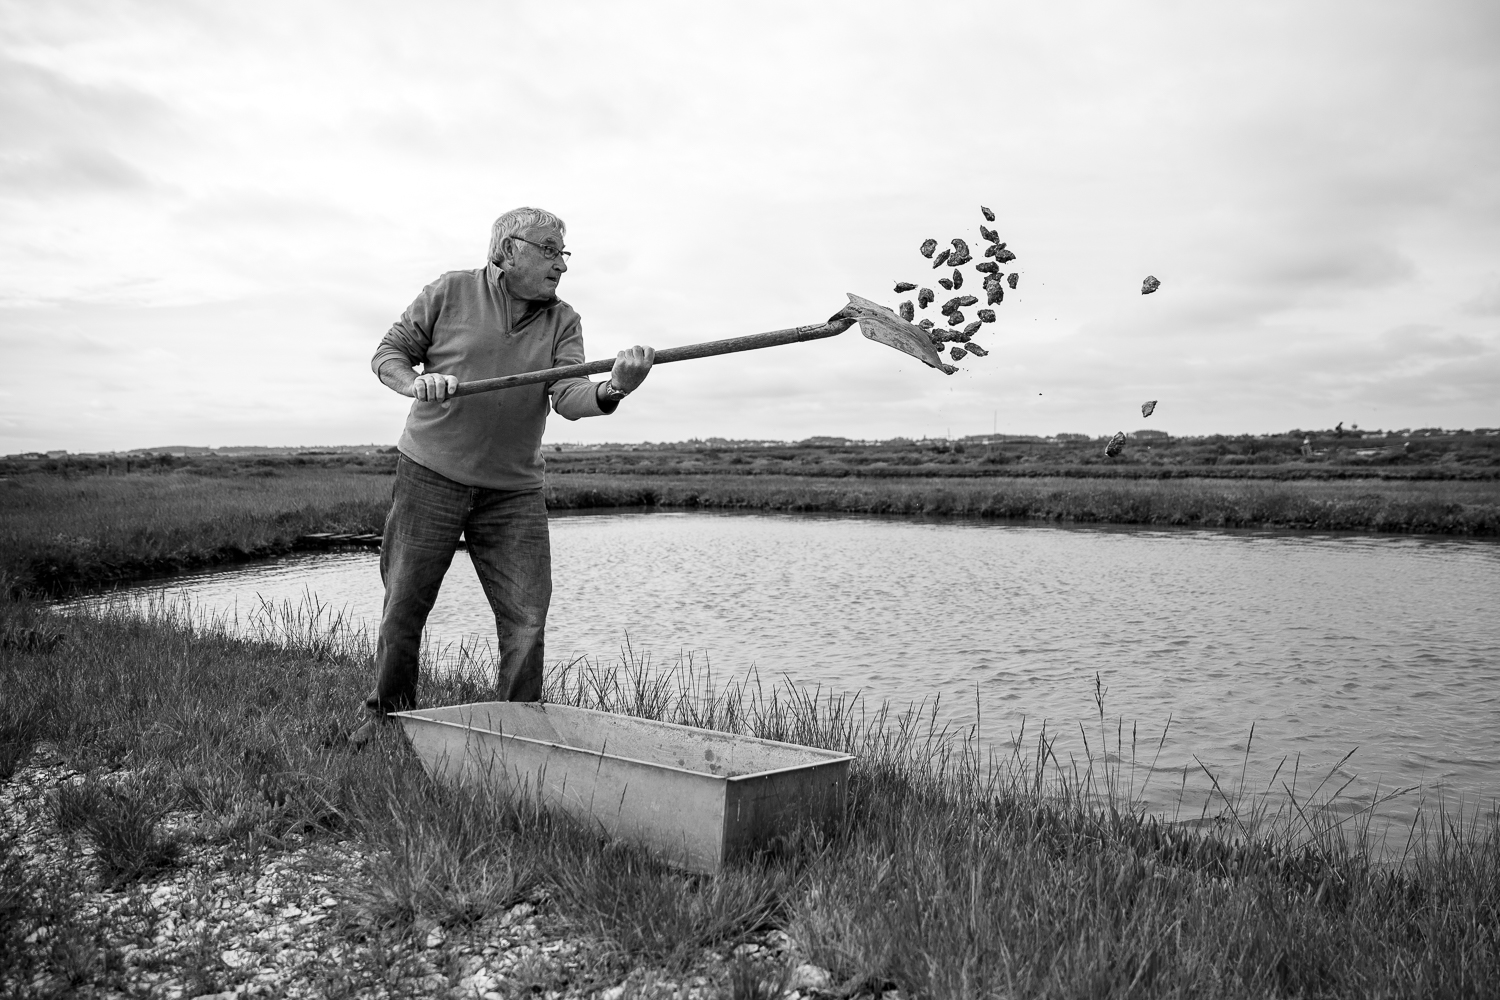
column 528, row 273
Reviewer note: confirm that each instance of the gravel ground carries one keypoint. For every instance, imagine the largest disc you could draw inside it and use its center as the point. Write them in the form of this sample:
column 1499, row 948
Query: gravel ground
column 286, row 921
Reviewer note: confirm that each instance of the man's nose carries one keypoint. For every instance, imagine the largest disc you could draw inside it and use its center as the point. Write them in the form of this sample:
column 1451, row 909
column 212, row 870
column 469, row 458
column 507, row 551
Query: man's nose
column 560, row 264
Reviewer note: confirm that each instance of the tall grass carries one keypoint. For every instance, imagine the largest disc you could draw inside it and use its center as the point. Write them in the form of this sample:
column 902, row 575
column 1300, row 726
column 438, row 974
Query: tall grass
column 1422, row 507
column 956, row 872
column 58, row 534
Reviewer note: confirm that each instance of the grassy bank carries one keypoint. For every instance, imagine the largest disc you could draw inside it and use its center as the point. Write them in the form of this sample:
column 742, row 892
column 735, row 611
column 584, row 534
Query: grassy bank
column 950, row 877
column 59, row 533
column 1421, row 507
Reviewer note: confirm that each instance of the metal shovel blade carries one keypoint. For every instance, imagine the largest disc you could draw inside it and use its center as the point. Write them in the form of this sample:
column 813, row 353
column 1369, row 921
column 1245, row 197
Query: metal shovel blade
column 881, row 324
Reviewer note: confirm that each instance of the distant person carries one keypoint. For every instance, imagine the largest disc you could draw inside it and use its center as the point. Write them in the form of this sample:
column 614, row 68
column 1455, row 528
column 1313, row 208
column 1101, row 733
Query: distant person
column 472, row 465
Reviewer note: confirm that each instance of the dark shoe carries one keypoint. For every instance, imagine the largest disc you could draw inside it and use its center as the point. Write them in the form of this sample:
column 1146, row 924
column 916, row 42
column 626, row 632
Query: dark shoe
column 371, row 728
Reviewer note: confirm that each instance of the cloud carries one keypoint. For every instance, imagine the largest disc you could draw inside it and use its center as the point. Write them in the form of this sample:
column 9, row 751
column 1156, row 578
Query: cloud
column 61, row 171
column 1414, row 340
column 207, row 187
column 59, row 136
column 1487, row 301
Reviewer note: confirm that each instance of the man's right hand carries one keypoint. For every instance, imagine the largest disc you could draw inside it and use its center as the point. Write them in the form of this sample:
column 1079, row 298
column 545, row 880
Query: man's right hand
column 434, row 388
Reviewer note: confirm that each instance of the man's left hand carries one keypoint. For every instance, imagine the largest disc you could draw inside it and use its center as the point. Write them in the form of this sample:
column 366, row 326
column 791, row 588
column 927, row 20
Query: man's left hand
column 632, row 367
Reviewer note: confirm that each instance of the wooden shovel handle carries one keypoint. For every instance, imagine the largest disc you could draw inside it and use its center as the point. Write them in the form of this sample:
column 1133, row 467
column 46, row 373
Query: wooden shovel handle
column 835, row 326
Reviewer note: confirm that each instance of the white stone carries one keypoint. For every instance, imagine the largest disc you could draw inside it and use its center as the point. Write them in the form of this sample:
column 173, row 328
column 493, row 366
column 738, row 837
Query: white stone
column 435, row 937
column 613, row 993
column 483, row 981
column 810, row 977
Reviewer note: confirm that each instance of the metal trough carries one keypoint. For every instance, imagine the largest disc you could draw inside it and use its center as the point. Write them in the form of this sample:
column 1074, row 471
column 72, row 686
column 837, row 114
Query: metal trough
column 697, row 797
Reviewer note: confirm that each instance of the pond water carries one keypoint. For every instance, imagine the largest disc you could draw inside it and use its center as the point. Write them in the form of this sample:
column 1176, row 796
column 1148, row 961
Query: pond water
column 1385, row 646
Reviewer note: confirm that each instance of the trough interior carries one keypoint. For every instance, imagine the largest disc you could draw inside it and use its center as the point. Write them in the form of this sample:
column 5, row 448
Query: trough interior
column 702, row 750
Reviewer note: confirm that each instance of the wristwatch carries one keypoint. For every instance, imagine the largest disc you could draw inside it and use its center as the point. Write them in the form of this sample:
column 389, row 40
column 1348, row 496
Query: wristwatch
column 612, row 392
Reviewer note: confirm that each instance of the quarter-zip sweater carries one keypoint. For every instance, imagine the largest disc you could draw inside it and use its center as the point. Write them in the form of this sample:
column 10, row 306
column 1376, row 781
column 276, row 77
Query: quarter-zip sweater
column 460, row 325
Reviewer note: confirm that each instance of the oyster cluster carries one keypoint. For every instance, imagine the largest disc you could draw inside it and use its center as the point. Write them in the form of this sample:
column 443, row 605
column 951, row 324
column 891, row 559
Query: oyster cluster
column 993, row 279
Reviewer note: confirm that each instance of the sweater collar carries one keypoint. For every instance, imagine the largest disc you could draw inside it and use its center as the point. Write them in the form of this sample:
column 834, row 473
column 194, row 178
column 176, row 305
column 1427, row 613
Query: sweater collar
column 496, row 278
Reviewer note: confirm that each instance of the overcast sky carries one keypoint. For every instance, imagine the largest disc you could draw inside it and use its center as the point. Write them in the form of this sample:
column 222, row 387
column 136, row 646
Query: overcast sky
column 211, row 212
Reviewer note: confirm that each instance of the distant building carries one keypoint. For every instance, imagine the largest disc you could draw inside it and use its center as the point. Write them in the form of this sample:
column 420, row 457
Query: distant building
column 60, row 453
column 1151, row 434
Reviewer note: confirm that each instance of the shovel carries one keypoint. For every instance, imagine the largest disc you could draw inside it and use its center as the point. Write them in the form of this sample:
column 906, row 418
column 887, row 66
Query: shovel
column 875, row 321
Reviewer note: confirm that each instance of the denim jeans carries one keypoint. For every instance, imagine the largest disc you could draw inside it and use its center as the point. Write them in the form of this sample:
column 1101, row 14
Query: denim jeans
column 506, row 532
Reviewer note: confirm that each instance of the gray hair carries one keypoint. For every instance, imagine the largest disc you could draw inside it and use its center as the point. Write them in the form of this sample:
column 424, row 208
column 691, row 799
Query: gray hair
column 517, row 221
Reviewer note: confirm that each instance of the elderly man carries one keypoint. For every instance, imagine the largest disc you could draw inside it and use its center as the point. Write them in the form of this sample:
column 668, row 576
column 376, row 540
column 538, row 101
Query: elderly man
column 472, row 465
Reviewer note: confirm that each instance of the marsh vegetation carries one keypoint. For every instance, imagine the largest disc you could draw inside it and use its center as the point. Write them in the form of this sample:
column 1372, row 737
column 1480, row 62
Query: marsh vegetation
column 77, row 523
column 953, row 874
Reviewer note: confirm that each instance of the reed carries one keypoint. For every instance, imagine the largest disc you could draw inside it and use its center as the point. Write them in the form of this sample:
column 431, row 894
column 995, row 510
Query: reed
column 62, row 534
column 957, row 872
column 1448, row 507
column 59, row 534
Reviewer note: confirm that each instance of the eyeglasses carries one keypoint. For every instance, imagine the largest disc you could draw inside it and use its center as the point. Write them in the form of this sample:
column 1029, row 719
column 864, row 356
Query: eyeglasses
column 550, row 253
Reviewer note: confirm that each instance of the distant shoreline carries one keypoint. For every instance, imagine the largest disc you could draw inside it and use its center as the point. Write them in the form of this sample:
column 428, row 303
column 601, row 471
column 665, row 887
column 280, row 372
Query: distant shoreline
column 64, row 534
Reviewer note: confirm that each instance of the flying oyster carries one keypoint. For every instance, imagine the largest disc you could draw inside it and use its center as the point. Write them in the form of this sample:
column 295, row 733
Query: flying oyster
column 994, row 289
